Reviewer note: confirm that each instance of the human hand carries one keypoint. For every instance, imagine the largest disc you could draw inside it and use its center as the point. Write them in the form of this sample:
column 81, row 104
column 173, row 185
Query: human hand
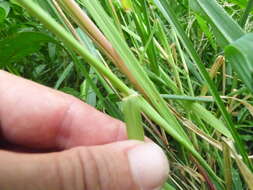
column 92, row 150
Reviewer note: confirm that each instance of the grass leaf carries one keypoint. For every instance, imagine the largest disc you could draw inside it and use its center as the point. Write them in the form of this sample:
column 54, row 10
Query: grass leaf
column 132, row 113
column 239, row 53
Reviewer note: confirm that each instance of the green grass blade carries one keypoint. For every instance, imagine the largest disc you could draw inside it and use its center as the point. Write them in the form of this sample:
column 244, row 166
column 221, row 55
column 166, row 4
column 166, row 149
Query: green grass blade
column 233, row 35
column 165, row 120
column 246, row 13
column 153, row 115
column 144, row 27
column 168, row 187
column 71, row 42
column 208, row 117
column 227, row 166
column 240, row 55
column 64, row 75
column 149, row 89
column 171, row 17
column 187, row 98
column 227, row 27
column 133, row 120
column 246, row 173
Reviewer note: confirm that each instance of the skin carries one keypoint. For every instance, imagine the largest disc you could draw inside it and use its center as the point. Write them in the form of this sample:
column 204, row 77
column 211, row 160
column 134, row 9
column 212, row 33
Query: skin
column 51, row 140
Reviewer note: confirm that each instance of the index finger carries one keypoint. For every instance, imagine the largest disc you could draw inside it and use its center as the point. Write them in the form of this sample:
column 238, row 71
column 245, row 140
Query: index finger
column 36, row 116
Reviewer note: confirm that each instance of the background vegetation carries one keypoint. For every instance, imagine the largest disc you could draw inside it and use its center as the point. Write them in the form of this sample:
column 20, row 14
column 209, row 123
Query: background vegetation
column 184, row 67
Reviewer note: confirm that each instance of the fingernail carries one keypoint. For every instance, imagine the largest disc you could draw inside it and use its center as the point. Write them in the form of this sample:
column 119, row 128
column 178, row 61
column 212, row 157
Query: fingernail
column 149, row 166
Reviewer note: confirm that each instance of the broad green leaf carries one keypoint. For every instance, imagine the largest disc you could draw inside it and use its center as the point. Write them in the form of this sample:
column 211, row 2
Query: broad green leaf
column 226, row 27
column 240, row 55
column 230, row 34
column 15, row 48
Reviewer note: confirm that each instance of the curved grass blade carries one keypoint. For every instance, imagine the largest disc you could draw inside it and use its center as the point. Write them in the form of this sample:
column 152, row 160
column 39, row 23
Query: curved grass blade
column 232, row 35
column 227, row 28
column 240, row 55
column 133, row 120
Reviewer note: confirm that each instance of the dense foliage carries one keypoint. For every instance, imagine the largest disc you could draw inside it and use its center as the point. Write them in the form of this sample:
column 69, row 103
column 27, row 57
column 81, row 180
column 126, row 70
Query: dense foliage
column 190, row 62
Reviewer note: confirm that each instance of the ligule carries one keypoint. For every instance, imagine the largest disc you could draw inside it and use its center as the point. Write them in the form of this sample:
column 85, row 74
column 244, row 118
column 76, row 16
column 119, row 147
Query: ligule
column 133, row 119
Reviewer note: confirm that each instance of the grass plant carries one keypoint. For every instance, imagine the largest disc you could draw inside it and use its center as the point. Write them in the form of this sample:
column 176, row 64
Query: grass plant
column 182, row 71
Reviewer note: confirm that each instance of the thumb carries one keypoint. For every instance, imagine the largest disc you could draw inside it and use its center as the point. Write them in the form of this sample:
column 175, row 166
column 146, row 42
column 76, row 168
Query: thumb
column 118, row 166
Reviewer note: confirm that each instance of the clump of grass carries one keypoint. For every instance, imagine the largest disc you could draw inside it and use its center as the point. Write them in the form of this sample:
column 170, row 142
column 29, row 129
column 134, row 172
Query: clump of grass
column 161, row 60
